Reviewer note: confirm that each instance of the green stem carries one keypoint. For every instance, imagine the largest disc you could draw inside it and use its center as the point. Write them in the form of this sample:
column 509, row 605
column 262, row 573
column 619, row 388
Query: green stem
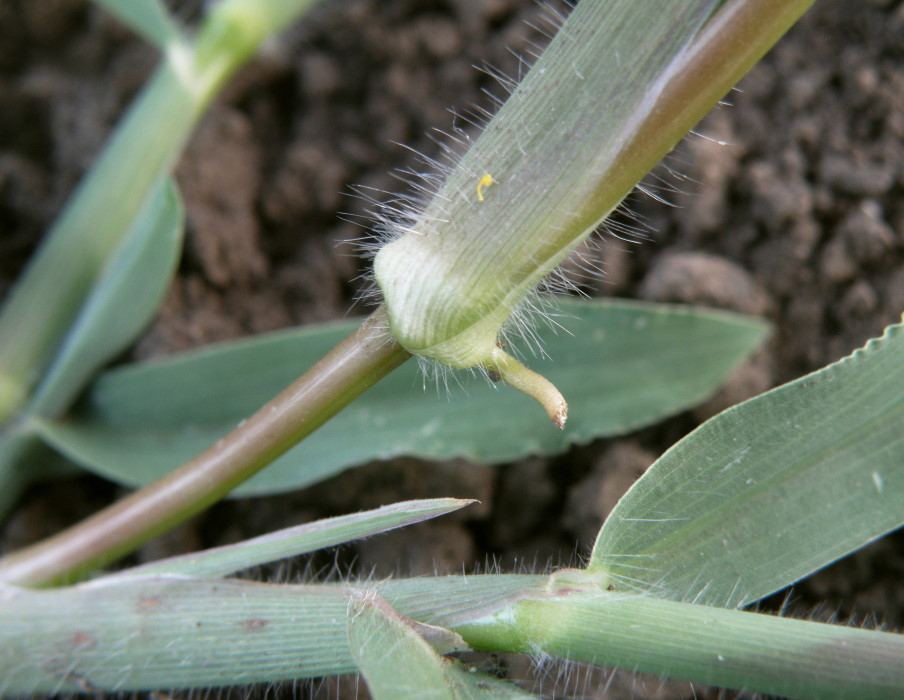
column 189, row 632
column 620, row 85
column 727, row 648
column 355, row 364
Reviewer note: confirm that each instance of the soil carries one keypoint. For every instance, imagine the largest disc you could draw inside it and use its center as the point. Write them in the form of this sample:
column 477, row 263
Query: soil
column 800, row 218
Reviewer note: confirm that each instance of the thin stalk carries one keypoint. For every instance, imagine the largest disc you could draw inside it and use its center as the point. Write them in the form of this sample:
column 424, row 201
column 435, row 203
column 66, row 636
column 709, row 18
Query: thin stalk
column 728, row 648
column 355, row 364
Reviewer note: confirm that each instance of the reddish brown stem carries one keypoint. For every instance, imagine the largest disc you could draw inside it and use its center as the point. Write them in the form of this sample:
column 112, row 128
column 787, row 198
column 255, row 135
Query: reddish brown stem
column 351, row 367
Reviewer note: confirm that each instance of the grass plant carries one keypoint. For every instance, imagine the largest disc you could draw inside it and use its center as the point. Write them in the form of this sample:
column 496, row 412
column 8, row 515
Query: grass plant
column 755, row 499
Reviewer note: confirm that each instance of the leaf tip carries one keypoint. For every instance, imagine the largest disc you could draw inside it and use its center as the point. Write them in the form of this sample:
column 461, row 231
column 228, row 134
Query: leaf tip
column 560, row 415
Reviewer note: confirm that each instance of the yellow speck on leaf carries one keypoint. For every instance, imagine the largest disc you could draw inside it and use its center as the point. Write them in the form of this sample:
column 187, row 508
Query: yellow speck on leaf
column 485, row 181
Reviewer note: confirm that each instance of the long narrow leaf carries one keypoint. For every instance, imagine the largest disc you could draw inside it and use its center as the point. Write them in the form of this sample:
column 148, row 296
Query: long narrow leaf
column 762, row 495
column 301, row 539
column 142, row 149
column 626, row 365
column 396, row 661
column 147, row 18
column 49, row 296
column 121, row 303
column 151, row 633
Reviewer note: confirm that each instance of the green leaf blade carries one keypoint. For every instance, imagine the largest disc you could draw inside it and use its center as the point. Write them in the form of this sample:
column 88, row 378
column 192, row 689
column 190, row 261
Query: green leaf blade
column 147, row 18
column 121, row 302
column 627, row 365
column 147, row 633
column 48, row 297
column 396, row 661
column 754, row 499
column 143, row 148
column 297, row 540
column 400, row 658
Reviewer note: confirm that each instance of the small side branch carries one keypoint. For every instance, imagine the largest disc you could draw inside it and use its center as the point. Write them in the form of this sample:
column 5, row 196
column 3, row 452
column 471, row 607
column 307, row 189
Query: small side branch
column 534, row 385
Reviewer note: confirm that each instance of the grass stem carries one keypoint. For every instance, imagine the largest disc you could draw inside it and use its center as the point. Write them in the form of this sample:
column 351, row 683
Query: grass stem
column 367, row 355
column 729, row 648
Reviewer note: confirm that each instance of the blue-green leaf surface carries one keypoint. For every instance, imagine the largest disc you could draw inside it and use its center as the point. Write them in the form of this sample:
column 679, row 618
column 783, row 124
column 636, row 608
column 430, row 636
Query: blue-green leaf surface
column 121, row 303
column 147, row 633
column 400, row 658
column 771, row 490
column 620, row 364
column 301, row 539
column 147, row 18
column 395, row 660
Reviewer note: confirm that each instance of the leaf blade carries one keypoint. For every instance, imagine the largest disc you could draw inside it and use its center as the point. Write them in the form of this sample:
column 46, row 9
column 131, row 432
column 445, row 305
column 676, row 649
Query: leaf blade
column 147, row 18
column 398, row 657
column 750, row 502
column 190, row 633
column 195, row 633
column 301, row 539
column 396, row 661
column 121, row 302
column 145, row 420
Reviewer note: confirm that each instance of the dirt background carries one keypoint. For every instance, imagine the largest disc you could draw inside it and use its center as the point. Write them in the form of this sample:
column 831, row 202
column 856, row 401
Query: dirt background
column 799, row 219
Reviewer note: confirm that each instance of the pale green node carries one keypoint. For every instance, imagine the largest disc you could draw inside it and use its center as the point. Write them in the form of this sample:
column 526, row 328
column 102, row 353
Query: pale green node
column 452, row 312
column 456, row 319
